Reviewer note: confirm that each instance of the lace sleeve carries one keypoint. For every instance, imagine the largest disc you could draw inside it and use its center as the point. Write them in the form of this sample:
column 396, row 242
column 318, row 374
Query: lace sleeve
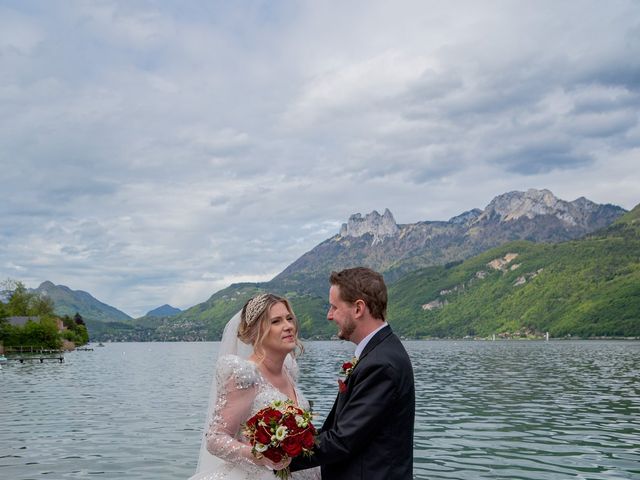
column 291, row 366
column 237, row 388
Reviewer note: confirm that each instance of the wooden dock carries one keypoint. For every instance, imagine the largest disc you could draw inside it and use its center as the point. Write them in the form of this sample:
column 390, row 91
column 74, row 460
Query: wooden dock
column 23, row 354
column 31, row 358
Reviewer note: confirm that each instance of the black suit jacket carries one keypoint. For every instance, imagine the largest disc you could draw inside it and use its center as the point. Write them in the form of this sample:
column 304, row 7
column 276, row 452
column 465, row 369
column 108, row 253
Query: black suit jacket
column 369, row 432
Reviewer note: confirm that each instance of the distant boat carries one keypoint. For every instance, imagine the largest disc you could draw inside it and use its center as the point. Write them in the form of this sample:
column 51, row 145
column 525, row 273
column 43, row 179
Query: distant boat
column 101, row 344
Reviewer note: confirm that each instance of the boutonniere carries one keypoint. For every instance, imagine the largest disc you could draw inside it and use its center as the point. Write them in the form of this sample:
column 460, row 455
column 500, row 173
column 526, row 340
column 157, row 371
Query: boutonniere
column 345, row 370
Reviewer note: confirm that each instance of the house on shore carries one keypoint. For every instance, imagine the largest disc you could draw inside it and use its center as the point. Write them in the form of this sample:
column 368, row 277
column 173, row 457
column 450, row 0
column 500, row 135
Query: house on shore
column 22, row 321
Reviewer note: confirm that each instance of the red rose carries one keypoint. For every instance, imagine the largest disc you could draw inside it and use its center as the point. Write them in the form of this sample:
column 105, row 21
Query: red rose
column 263, row 435
column 348, row 366
column 261, row 427
column 290, row 423
column 272, row 416
column 307, row 439
column 251, row 423
column 273, row 454
column 291, row 446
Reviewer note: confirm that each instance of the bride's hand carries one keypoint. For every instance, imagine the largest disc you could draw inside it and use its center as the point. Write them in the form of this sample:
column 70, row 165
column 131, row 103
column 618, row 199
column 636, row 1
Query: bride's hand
column 282, row 464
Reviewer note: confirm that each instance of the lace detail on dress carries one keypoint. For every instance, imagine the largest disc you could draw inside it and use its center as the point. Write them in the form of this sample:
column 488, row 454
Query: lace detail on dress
column 243, row 372
column 242, row 391
column 237, row 388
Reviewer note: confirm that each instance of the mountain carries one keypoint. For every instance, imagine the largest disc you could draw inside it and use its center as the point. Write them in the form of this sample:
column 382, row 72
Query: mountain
column 397, row 250
column 163, row 311
column 103, row 321
column 586, row 287
column 68, row 302
column 378, row 242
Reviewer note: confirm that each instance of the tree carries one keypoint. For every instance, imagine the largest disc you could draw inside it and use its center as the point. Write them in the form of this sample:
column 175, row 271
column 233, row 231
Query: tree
column 78, row 319
column 9, row 334
column 76, row 331
column 41, row 306
column 18, row 298
column 23, row 303
column 43, row 334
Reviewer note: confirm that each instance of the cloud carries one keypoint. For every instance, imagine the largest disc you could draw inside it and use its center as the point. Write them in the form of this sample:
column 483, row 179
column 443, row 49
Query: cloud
column 542, row 157
column 352, row 89
column 156, row 153
column 18, row 34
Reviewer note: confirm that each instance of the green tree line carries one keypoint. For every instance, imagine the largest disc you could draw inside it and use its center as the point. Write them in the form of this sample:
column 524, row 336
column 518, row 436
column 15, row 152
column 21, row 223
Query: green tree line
column 587, row 288
column 18, row 301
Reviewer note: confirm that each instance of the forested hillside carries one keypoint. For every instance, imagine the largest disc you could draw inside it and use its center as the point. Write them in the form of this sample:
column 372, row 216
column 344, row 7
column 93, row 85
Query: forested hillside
column 588, row 287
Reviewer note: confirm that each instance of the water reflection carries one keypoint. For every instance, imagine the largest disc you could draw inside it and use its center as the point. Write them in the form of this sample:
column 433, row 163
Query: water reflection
column 530, row 410
column 512, row 410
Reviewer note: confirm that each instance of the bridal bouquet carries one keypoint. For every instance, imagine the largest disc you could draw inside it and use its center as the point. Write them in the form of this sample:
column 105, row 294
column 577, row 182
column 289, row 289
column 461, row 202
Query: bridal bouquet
column 281, row 430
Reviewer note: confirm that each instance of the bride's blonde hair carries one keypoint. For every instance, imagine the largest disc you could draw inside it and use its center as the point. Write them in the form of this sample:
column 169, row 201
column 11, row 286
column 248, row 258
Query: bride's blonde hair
column 255, row 322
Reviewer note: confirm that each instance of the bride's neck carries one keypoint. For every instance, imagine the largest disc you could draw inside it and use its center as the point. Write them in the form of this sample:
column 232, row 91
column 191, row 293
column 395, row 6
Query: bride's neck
column 270, row 362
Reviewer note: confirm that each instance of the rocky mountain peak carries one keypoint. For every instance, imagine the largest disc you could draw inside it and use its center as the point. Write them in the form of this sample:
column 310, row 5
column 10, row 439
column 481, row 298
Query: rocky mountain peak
column 379, row 226
column 467, row 217
column 532, row 203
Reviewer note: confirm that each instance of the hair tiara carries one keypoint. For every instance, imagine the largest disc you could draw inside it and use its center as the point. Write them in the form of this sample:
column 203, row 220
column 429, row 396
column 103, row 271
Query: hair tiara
column 255, row 307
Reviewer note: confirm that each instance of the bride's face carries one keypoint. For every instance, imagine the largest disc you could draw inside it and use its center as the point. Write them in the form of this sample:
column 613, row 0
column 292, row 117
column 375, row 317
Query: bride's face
column 282, row 329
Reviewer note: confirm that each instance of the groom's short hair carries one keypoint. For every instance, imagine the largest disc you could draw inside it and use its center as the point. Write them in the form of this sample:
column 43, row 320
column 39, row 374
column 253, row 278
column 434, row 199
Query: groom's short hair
column 362, row 283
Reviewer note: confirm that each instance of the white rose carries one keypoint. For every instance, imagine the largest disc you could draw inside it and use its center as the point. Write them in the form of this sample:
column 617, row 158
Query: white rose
column 281, row 433
column 260, row 447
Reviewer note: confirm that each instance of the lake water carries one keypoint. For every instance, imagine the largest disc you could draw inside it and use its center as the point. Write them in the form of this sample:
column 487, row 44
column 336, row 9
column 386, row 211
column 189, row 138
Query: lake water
column 498, row 410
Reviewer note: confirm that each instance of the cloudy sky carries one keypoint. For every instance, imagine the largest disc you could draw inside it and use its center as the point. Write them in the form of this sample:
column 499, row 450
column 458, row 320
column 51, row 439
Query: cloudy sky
column 154, row 152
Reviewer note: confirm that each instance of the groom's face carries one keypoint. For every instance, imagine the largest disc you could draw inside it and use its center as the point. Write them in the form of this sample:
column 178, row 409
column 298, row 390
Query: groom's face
column 341, row 313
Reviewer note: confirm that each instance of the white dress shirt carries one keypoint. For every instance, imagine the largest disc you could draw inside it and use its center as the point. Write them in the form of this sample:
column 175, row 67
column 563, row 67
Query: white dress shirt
column 365, row 340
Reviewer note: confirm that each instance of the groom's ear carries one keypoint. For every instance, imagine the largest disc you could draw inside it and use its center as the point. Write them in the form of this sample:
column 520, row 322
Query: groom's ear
column 360, row 307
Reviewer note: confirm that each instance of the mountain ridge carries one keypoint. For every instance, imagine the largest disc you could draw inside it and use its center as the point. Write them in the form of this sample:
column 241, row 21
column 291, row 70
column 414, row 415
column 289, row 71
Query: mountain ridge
column 585, row 287
column 68, row 302
column 304, row 282
column 165, row 310
column 396, row 250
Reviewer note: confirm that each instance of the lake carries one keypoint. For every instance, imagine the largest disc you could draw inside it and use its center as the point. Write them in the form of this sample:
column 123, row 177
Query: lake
column 498, row 410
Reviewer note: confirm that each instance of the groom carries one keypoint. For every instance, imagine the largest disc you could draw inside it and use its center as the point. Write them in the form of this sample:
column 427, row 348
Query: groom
column 369, row 432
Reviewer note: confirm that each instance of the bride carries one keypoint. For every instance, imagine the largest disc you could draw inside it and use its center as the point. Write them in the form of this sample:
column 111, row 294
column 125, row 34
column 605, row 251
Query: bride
column 255, row 366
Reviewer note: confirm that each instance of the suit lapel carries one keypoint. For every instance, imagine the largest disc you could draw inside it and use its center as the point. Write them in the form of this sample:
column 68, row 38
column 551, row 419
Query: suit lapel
column 374, row 342
column 371, row 345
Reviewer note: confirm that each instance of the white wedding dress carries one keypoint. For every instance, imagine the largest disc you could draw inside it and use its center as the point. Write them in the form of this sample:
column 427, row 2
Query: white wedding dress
column 241, row 392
